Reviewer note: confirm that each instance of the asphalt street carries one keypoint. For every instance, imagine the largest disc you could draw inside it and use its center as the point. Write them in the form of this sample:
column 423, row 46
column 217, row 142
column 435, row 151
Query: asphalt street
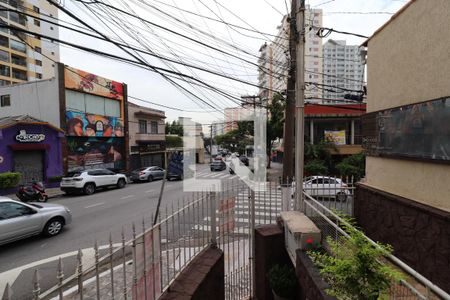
column 94, row 218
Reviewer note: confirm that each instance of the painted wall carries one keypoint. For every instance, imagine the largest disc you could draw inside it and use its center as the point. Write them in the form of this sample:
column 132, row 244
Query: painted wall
column 53, row 156
column 38, row 99
column 409, row 62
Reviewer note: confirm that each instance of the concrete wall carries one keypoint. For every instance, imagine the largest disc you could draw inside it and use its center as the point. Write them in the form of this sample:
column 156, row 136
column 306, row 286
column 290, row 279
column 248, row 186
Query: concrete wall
column 409, row 62
column 39, row 99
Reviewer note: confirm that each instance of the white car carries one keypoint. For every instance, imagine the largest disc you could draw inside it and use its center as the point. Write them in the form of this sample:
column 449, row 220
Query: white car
column 324, row 187
column 88, row 181
column 20, row 220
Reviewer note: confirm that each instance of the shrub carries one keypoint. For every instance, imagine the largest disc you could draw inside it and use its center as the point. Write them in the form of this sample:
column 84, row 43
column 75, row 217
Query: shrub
column 283, row 280
column 9, row 180
column 354, row 165
column 316, row 167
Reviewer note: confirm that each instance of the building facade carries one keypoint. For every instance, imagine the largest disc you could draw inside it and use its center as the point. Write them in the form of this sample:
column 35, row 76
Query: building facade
column 91, row 110
column 147, row 136
column 404, row 199
column 235, row 114
column 23, row 57
column 344, row 70
column 30, row 147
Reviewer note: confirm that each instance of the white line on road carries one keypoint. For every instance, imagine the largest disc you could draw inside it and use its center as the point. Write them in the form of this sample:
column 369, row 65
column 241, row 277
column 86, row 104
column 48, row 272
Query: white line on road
column 94, row 205
column 126, row 197
column 149, row 191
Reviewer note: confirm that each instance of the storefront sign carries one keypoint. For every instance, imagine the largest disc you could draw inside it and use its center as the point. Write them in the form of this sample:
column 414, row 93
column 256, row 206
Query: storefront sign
column 25, row 137
column 335, row 136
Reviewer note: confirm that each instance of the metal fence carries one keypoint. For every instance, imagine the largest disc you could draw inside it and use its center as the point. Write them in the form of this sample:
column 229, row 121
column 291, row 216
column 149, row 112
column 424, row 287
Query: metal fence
column 412, row 286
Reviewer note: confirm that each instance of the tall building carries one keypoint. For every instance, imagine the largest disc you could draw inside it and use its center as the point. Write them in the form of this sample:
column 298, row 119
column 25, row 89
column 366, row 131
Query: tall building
column 343, row 68
column 18, row 61
column 235, row 114
column 274, row 60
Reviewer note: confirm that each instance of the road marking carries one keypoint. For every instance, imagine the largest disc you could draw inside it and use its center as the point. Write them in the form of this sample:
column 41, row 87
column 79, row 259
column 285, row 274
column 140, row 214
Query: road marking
column 149, row 191
column 126, row 197
column 94, row 205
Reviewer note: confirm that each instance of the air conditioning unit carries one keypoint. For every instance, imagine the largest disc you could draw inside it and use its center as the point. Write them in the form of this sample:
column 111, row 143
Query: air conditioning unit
column 299, row 232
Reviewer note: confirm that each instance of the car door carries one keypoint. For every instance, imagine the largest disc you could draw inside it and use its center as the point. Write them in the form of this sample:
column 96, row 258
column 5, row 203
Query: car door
column 110, row 177
column 160, row 172
column 17, row 221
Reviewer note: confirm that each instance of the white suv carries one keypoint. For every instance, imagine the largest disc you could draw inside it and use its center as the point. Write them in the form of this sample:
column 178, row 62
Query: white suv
column 88, row 180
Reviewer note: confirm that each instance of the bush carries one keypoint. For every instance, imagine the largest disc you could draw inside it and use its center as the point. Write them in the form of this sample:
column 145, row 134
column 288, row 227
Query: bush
column 316, row 167
column 9, row 180
column 283, row 280
column 354, row 165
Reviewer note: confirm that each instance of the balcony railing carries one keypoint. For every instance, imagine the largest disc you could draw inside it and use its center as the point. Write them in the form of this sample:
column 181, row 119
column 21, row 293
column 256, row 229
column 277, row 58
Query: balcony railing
column 19, row 61
column 19, row 75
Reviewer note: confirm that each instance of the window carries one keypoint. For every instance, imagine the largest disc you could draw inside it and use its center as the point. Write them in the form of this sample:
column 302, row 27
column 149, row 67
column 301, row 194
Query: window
column 19, row 74
column 3, row 13
column 10, row 210
column 38, row 49
column 18, row 60
column 112, row 108
column 4, row 82
column 38, row 62
column 5, row 100
column 18, row 46
column 5, row 71
column 4, row 56
column 154, row 127
column 142, row 126
column 36, row 9
column 38, row 75
column 37, row 23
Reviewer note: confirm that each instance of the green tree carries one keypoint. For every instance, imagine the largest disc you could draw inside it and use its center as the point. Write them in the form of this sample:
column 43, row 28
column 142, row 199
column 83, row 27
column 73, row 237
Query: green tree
column 236, row 140
column 318, row 158
column 275, row 123
column 354, row 165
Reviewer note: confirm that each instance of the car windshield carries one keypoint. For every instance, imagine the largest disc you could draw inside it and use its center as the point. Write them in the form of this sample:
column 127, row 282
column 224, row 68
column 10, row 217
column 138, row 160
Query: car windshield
column 73, row 174
column 217, row 162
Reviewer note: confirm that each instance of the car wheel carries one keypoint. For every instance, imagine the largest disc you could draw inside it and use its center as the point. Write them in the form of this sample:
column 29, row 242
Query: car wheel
column 341, row 196
column 43, row 198
column 150, row 178
column 53, row 227
column 89, row 188
column 121, row 183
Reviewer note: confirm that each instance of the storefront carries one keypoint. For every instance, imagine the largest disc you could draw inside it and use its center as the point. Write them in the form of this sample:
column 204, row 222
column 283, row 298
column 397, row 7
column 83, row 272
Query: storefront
column 30, row 147
column 148, row 153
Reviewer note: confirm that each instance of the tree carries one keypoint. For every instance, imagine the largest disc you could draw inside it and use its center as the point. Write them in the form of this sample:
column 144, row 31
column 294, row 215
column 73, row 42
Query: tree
column 354, row 165
column 174, row 128
column 275, row 123
column 236, row 140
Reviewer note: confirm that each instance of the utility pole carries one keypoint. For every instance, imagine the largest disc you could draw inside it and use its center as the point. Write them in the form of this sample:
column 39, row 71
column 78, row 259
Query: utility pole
column 210, row 144
column 289, row 112
column 300, row 106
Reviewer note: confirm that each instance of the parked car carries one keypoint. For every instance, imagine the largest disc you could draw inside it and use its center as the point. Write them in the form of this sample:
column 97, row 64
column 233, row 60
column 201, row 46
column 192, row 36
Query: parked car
column 218, row 165
column 19, row 220
column 147, row 174
column 244, row 159
column 88, row 181
column 325, row 187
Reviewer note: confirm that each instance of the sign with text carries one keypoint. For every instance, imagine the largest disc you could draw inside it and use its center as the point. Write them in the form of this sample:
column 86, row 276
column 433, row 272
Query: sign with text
column 24, row 137
column 336, row 137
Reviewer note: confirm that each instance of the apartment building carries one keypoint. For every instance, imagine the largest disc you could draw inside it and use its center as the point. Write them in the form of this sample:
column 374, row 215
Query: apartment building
column 235, row 114
column 274, row 59
column 343, row 70
column 23, row 57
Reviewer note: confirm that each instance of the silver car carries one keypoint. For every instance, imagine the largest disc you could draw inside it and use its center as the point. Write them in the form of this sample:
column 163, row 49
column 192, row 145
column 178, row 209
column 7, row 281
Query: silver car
column 19, row 220
column 147, row 174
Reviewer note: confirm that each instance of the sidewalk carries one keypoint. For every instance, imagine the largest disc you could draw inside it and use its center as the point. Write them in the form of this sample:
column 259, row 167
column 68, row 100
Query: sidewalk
column 275, row 171
column 51, row 192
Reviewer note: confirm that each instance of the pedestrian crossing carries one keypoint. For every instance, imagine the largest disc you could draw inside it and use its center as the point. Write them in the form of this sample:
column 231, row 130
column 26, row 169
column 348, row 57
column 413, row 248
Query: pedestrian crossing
column 214, row 175
column 267, row 208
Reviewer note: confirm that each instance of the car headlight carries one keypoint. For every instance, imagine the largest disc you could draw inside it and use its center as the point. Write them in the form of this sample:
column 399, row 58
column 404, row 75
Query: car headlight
column 68, row 210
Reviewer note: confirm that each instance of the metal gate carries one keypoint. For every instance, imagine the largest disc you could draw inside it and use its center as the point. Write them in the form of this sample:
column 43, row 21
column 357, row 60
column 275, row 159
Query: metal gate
column 30, row 164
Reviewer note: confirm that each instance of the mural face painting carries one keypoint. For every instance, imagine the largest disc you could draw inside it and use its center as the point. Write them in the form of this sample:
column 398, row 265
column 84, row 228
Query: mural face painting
column 81, row 124
column 95, row 152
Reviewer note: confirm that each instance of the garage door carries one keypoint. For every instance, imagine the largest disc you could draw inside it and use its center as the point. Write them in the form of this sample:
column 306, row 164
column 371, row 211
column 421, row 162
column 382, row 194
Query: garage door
column 30, row 164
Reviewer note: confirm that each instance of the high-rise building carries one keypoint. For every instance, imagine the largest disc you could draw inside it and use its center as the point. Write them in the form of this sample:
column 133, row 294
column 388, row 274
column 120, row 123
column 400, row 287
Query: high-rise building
column 343, row 69
column 25, row 57
column 274, row 60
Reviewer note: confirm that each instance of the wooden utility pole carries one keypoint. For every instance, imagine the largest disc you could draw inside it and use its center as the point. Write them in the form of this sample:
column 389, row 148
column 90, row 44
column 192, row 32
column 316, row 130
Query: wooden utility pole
column 300, row 106
column 289, row 112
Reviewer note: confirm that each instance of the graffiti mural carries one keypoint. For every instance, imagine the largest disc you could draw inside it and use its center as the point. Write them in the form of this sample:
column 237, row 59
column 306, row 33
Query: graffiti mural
column 85, row 124
column 93, row 84
column 95, row 152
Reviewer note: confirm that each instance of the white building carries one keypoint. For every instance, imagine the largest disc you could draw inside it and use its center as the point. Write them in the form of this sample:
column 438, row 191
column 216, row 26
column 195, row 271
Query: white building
column 274, row 60
column 344, row 70
column 24, row 57
column 235, row 114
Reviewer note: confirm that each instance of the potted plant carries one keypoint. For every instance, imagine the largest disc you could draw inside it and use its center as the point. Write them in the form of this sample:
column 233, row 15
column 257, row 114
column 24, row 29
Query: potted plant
column 283, row 281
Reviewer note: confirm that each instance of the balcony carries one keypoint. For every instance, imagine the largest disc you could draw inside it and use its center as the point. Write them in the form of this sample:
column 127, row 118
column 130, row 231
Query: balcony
column 5, row 71
column 19, row 74
column 20, row 61
column 4, row 41
column 18, row 46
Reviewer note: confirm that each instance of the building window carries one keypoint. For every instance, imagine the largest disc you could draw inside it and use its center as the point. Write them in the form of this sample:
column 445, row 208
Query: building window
column 37, row 23
column 154, row 127
column 18, row 46
column 36, row 9
column 19, row 74
column 17, row 60
column 5, row 100
column 38, row 75
column 38, row 62
column 4, row 82
column 4, row 56
column 142, row 126
column 4, row 71
column 38, row 49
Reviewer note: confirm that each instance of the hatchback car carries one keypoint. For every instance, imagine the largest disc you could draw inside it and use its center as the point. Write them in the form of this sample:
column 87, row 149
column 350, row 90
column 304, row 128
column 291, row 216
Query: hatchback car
column 19, row 220
column 147, row 174
column 218, row 165
column 88, row 181
column 325, row 187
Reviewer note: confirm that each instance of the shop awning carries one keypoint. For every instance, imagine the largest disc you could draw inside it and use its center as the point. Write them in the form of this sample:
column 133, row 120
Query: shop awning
column 26, row 147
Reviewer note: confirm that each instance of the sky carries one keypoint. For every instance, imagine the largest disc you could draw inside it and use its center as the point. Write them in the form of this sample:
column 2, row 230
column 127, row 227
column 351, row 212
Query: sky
column 170, row 28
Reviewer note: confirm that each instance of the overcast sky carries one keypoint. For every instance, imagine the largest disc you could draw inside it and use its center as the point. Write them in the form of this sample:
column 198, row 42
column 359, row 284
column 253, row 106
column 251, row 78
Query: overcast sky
column 240, row 45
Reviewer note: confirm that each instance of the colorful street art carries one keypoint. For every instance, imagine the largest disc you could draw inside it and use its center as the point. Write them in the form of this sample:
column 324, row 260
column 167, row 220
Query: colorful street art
column 84, row 124
column 93, row 84
column 95, row 152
